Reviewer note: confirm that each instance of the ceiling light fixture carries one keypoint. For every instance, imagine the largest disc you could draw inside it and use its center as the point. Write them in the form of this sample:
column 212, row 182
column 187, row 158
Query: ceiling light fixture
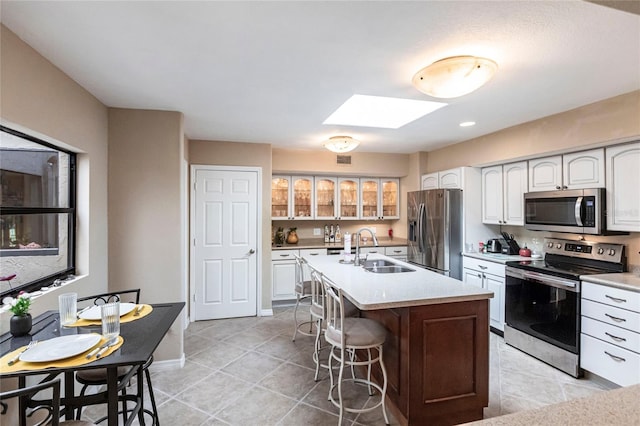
column 467, row 123
column 341, row 144
column 454, row 76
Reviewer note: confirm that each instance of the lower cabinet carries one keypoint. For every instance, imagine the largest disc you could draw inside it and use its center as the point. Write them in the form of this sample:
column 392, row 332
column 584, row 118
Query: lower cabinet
column 399, row 253
column 610, row 333
column 489, row 276
column 283, row 274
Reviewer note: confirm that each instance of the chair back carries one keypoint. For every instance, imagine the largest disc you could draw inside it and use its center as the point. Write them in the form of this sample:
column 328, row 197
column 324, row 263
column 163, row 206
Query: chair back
column 335, row 312
column 51, row 407
column 132, row 296
column 300, row 267
column 317, row 295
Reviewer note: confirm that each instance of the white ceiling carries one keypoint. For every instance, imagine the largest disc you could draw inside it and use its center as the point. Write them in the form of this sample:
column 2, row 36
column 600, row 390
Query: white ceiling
column 272, row 72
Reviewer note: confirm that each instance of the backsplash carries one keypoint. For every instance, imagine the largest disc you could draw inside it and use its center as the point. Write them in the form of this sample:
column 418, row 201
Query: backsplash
column 304, row 228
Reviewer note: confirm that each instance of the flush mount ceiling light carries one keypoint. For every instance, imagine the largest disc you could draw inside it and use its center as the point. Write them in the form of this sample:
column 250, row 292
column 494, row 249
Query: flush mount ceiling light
column 467, row 123
column 455, row 76
column 341, row 144
column 380, row 111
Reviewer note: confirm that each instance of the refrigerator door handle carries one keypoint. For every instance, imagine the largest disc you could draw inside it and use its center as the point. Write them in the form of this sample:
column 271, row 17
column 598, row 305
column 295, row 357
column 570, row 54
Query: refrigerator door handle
column 421, row 218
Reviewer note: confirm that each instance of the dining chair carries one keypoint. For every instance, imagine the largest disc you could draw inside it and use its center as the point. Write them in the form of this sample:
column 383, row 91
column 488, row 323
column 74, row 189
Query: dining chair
column 346, row 335
column 98, row 376
column 303, row 292
column 50, row 414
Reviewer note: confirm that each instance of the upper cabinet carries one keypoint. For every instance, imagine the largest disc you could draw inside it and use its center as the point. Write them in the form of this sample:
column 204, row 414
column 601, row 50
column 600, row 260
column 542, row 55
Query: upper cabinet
column 503, row 189
column 326, row 198
column 348, row 196
column 291, row 197
column 452, row 178
column 576, row 170
column 623, row 181
column 379, row 198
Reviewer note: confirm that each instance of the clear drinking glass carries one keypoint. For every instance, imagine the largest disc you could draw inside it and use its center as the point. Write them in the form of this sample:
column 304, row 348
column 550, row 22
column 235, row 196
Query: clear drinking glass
column 110, row 314
column 68, row 307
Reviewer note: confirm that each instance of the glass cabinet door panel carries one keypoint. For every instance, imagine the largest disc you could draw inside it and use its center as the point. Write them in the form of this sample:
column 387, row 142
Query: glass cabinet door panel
column 302, row 197
column 348, row 198
column 280, row 186
column 325, row 198
column 390, row 199
column 369, row 198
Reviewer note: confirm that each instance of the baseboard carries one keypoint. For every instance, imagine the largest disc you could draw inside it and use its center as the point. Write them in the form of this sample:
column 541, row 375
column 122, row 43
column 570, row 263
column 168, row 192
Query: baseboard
column 167, row 365
column 266, row 312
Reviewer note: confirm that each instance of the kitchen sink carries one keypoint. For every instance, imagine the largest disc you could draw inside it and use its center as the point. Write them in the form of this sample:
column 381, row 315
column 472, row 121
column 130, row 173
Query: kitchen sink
column 384, row 267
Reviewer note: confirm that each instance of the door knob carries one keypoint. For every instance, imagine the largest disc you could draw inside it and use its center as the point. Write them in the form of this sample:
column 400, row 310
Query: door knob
column 252, row 251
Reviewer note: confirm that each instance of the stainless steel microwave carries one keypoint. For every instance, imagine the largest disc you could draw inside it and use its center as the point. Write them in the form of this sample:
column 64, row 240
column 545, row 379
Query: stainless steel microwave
column 578, row 211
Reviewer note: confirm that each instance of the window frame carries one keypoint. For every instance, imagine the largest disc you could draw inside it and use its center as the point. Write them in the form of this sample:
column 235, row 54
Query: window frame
column 70, row 211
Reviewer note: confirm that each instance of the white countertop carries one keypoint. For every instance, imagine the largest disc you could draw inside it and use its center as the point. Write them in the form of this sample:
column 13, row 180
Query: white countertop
column 369, row 290
column 623, row 280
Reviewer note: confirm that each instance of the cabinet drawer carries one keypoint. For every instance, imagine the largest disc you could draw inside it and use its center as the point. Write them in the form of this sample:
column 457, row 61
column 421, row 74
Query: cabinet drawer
column 396, row 251
column 312, row 252
column 485, row 266
column 374, row 250
column 611, row 315
column 613, row 296
column 614, row 335
column 283, row 254
column 611, row 362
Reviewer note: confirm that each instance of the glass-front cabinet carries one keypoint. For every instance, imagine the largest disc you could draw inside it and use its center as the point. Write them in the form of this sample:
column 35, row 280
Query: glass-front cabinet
column 348, row 196
column 326, row 197
column 379, row 198
column 292, row 197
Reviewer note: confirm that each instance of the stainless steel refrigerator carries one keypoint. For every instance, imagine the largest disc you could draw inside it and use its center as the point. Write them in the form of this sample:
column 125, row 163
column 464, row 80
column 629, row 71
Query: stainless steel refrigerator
column 435, row 230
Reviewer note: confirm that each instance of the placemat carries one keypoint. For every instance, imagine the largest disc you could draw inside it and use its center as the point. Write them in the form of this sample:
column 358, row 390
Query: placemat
column 73, row 361
column 131, row 316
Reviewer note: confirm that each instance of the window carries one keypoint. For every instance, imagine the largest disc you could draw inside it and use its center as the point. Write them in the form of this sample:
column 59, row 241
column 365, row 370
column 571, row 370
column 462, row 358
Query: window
column 37, row 212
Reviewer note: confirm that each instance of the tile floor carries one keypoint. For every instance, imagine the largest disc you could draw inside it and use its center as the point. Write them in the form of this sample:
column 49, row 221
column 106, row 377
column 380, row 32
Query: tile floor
column 247, row 371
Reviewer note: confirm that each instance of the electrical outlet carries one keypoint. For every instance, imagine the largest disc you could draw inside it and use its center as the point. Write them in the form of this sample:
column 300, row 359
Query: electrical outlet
column 317, row 232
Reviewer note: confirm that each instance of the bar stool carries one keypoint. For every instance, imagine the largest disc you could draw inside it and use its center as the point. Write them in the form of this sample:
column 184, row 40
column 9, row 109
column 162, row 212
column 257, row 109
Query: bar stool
column 347, row 335
column 318, row 314
column 303, row 291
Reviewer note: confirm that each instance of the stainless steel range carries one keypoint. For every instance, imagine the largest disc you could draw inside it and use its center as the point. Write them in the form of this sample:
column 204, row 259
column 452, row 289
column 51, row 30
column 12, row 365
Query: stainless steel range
column 542, row 299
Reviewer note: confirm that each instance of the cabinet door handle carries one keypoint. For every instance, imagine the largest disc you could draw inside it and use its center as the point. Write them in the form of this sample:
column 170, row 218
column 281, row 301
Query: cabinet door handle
column 480, row 276
column 284, row 255
column 482, row 267
column 397, row 251
column 618, row 319
column 616, row 299
column 616, row 358
column 558, row 187
column 616, row 338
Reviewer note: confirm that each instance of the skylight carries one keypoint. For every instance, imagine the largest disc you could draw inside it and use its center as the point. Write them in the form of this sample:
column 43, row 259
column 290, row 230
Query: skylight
column 379, row 111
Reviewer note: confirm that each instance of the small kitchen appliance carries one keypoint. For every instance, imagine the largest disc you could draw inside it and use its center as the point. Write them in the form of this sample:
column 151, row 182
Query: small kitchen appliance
column 542, row 298
column 495, row 245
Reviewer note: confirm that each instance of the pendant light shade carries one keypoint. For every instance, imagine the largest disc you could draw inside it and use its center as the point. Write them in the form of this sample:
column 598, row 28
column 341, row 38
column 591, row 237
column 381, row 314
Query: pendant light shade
column 454, row 76
column 341, row 144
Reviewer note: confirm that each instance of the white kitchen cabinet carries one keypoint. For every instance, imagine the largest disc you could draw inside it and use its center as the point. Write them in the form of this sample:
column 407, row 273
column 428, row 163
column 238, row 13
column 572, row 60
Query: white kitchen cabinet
column 326, row 200
column 610, row 333
column 292, row 197
column 399, row 252
column 379, row 198
column 623, row 183
column 576, row 170
column 503, row 189
column 452, row 178
column 430, row 181
column 283, row 270
column 348, row 198
column 490, row 276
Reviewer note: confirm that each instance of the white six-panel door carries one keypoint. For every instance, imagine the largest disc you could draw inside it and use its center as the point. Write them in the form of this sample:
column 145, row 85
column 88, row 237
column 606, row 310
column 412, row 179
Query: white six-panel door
column 225, row 240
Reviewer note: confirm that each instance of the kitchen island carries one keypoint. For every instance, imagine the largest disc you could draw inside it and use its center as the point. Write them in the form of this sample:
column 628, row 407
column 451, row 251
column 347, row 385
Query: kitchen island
column 437, row 347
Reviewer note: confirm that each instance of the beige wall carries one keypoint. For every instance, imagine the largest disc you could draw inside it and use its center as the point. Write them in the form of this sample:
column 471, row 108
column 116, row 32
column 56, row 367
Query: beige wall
column 597, row 124
column 145, row 210
column 244, row 154
column 37, row 98
column 372, row 164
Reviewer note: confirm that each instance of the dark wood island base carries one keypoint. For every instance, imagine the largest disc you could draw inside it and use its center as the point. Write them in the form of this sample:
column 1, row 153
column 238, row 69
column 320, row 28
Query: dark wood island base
column 437, row 360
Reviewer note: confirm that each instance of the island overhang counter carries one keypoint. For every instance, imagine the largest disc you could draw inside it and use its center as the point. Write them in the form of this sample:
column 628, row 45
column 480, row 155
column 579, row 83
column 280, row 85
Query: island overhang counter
column 437, row 347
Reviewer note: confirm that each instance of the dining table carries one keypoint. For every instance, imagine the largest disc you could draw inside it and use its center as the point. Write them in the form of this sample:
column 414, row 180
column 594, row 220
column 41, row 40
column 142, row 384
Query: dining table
column 141, row 338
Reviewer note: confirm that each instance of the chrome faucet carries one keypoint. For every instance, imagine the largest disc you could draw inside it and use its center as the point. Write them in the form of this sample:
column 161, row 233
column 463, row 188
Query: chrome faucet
column 356, row 262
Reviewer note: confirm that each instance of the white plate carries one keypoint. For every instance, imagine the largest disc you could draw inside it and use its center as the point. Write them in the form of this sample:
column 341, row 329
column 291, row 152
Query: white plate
column 60, row 347
column 93, row 313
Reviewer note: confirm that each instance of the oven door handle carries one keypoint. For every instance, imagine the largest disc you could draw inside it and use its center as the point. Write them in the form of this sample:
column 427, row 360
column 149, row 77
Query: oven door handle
column 552, row 281
column 578, row 211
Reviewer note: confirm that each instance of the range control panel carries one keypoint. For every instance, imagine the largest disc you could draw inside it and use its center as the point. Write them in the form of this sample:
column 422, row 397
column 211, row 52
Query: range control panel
column 607, row 252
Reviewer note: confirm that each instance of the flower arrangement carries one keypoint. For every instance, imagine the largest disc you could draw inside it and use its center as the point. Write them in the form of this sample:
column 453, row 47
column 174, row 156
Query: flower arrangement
column 20, row 306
